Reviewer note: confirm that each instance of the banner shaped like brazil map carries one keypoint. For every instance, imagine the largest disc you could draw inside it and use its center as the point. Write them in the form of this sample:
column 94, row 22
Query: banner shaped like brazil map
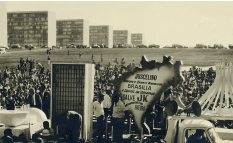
column 144, row 86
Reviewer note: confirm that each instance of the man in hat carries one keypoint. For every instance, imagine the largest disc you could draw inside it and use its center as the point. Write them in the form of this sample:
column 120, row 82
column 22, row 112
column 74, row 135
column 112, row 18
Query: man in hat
column 198, row 137
column 99, row 113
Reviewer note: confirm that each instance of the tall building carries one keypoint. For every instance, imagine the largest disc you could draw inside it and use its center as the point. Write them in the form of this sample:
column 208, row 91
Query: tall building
column 72, row 31
column 137, row 39
column 3, row 24
column 31, row 27
column 101, row 34
column 121, row 37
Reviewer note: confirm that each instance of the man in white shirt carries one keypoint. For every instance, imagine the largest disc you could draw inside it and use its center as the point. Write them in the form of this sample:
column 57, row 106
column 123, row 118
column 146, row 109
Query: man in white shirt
column 99, row 113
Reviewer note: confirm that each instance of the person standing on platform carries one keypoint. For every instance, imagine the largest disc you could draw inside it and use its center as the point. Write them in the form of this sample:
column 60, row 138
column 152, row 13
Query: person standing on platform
column 118, row 117
column 99, row 113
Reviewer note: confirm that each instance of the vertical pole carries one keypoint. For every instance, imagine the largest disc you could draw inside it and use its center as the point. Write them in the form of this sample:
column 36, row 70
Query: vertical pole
column 106, row 131
column 112, row 133
column 141, row 141
column 56, row 129
column 130, row 125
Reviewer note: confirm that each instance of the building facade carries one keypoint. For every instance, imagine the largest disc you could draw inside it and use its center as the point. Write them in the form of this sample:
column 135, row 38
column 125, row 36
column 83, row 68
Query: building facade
column 121, row 37
column 101, row 35
column 137, row 39
column 31, row 27
column 3, row 24
column 72, row 31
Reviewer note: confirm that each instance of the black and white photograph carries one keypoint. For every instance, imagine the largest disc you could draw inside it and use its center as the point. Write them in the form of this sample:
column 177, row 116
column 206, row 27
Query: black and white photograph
column 116, row 71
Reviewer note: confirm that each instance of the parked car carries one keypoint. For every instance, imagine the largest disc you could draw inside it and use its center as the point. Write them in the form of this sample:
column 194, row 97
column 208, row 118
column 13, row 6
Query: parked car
column 44, row 46
column 14, row 46
column 2, row 50
column 81, row 46
column 95, row 46
column 71, row 46
column 58, row 47
column 30, row 46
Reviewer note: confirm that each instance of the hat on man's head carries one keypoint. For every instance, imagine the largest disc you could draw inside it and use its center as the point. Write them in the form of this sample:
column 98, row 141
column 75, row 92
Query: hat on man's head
column 100, row 95
column 108, row 92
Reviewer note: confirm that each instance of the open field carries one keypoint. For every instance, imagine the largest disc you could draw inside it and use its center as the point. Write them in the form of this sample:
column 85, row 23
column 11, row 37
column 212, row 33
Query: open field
column 198, row 57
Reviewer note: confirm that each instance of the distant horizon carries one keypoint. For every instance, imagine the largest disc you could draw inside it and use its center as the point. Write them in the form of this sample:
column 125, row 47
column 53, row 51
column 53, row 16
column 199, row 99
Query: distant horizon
column 162, row 22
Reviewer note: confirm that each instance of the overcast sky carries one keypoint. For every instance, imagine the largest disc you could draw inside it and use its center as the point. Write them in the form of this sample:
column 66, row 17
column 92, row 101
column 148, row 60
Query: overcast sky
column 163, row 23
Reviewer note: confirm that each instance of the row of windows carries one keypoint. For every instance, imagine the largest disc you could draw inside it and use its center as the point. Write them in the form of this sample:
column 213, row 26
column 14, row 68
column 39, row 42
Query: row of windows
column 35, row 19
column 70, row 26
column 98, row 31
column 70, row 29
column 76, row 34
column 99, row 27
column 23, row 42
column 70, row 40
column 27, row 15
column 60, row 23
column 120, row 34
column 27, row 25
column 98, row 34
column 120, row 38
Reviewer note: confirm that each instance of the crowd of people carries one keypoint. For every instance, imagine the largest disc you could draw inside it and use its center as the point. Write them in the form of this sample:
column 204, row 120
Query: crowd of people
column 29, row 83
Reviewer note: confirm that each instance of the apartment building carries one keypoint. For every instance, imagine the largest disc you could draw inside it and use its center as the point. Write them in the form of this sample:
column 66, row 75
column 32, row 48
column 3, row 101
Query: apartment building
column 137, row 39
column 72, row 31
column 31, row 27
column 101, row 35
column 3, row 24
column 121, row 37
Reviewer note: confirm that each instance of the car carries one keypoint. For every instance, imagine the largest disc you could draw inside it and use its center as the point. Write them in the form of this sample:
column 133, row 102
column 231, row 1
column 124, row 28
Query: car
column 44, row 46
column 180, row 130
column 58, row 47
column 95, row 46
column 71, row 46
column 30, row 46
column 14, row 46
column 2, row 50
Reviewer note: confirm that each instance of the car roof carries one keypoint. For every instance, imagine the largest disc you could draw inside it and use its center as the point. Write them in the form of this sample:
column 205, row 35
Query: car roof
column 196, row 123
